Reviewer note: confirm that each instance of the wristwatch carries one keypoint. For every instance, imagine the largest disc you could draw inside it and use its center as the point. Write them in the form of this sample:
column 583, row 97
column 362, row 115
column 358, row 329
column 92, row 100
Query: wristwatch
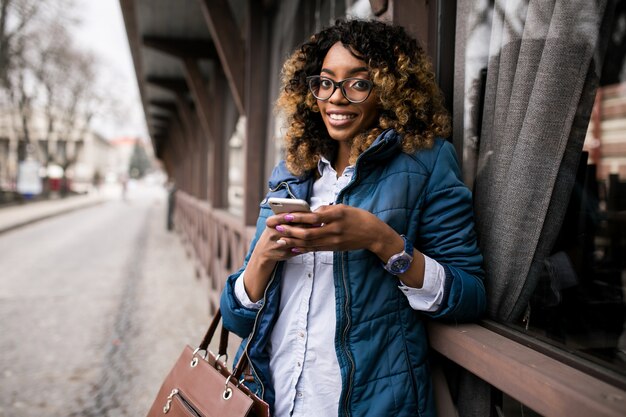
column 401, row 262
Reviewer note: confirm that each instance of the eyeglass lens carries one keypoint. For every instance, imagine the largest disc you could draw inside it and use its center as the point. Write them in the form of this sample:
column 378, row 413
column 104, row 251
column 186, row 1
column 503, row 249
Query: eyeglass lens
column 354, row 89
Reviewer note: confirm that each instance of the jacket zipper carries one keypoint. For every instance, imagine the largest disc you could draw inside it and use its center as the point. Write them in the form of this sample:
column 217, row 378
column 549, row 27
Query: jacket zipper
column 176, row 394
column 254, row 328
column 345, row 338
column 346, row 329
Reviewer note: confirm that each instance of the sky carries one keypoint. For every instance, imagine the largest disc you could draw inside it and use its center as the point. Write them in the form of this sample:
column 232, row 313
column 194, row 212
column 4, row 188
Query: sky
column 101, row 30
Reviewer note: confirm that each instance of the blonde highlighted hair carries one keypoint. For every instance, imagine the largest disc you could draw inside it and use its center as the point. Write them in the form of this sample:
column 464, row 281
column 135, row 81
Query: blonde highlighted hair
column 409, row 99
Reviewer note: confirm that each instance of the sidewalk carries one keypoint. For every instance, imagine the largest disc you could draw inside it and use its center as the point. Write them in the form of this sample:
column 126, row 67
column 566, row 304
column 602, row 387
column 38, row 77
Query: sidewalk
column 16, row 216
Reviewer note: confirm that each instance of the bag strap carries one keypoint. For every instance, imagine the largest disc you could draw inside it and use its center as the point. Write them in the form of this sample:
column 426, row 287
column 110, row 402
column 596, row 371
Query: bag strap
column 243, row 362
column 204, row 345
column 222, row 350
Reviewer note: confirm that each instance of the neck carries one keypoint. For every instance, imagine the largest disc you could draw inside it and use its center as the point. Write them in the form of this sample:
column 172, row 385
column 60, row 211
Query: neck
column 343, row 158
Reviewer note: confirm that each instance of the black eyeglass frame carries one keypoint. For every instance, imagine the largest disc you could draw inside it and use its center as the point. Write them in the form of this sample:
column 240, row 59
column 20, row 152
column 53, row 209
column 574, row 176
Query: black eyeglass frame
column 339, row 84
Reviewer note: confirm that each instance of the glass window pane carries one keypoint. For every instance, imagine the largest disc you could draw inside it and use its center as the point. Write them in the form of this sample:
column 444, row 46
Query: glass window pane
column 578, row 303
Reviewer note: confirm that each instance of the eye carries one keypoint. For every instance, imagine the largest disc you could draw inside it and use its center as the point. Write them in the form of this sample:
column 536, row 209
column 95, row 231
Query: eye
column 360, row 85
column 326, row 84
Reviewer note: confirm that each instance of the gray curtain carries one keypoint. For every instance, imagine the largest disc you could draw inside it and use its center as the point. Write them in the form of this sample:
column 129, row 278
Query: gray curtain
column 523, row 142
column 537, row 84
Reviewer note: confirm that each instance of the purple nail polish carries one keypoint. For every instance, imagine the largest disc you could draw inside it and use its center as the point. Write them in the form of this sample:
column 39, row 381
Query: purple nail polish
column 296, row 250
column 280, row 228
column 289, row 217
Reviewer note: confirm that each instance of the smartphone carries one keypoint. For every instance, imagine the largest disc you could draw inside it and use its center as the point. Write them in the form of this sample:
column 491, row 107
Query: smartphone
column 288, row 205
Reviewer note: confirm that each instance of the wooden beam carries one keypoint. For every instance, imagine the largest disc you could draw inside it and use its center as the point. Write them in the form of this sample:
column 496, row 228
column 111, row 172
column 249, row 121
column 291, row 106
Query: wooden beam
column 546, row 385
column 200, row 94
column 159, row 140
column 166, row 158
column 173, row 84
column 159, row 124
column 189, row 119
column 167, row 105
column 203, row 154
column 204, row 110
column 229, row 44
column 185, row 113
column 129, row 14
column 182, row 48
column 160, row 117
column 178, row 136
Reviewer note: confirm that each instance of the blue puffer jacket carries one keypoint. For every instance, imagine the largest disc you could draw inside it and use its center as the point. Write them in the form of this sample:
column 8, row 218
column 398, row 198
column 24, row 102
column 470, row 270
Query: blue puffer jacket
column 381, row 342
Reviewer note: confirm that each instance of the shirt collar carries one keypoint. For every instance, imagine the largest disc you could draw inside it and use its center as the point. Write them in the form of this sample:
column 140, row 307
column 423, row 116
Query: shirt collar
column 323, row 163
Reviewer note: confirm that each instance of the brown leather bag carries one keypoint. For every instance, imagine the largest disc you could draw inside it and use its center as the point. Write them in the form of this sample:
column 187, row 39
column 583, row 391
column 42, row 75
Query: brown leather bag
column 202, row 386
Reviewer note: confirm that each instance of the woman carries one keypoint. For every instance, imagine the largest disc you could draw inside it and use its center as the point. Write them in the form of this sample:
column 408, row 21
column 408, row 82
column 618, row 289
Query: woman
column 332, row 304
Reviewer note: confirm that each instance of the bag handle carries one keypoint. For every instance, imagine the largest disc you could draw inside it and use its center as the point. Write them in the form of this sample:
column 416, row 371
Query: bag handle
column 204, row 345
column 223, row 346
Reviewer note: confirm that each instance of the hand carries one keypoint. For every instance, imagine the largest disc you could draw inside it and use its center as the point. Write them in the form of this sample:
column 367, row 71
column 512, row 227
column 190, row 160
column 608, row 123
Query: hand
column 335, row 228
column 269, row 249
column 344, row 228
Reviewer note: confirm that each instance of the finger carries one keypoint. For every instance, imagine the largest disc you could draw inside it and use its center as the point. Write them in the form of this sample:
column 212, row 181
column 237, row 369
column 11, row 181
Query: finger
column 299, row 232
column 301, row 218
column 310, row 245
column 274, row 220
column 331, row 213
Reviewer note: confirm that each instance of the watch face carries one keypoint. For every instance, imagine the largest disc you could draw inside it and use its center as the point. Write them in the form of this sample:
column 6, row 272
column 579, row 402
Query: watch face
column 400, row 265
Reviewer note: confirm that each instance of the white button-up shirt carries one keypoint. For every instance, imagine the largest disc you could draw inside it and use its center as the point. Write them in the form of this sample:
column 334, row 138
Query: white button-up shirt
column 303, row 362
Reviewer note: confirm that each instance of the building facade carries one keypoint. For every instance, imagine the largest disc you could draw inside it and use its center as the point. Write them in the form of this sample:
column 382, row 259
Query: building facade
column 74, row 155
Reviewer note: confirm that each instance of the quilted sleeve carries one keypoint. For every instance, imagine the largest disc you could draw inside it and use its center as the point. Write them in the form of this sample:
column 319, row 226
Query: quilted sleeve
column 235, row 317
column 447, row 235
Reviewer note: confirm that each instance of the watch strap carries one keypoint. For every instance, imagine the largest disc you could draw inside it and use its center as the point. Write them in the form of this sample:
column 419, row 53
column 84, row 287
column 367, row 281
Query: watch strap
column 405, row 257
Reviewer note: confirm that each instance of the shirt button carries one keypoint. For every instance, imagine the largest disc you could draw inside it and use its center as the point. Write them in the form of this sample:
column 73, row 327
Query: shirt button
column 309, row 275
column 299, row 364
column 299, row 394
column 301, row 334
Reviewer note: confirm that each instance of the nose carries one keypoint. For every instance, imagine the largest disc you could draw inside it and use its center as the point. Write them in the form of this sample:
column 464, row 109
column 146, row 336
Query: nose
column 337, row 97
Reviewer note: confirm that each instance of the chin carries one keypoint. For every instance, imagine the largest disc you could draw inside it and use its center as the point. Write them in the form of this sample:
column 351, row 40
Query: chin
column 341, row 136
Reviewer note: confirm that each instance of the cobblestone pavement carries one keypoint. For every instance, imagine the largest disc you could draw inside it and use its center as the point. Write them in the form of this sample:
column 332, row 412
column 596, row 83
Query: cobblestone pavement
column 95, row 307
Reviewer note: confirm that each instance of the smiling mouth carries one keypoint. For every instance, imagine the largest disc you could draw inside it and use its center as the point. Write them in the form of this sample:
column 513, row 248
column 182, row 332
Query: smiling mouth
column 335, row 116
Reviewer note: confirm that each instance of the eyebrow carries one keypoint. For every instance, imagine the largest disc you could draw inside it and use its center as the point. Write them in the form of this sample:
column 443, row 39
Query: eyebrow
column 350, row 72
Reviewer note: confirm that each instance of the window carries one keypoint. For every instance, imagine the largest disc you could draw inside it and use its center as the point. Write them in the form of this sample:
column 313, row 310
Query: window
column 576, row 301
column 579, row 302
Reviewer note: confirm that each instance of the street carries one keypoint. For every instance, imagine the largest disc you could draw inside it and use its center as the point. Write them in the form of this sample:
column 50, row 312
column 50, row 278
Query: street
column 95, row 307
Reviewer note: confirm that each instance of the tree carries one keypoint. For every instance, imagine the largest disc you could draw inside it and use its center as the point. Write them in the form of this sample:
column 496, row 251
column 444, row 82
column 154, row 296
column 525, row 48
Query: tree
column 139, row 162
column 44, row 74
column 23, row 26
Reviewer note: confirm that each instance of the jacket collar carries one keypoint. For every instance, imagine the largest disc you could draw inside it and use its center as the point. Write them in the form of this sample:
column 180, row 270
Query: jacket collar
column 386, row 145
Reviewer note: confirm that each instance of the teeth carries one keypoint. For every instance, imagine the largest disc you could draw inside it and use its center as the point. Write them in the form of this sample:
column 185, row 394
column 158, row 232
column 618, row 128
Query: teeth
column 341, row 116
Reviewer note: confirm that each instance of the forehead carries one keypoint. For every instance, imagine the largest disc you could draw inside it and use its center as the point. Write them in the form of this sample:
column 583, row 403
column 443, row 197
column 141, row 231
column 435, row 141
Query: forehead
column 340, row 57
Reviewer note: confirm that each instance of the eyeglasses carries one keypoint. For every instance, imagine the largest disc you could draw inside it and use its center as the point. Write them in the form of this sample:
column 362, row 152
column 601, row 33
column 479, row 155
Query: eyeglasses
column 355, row 90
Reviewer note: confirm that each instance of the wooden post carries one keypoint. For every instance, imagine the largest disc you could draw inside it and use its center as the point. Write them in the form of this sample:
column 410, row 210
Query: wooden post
column 257, row 81
column 218, row 157
column 203, row 134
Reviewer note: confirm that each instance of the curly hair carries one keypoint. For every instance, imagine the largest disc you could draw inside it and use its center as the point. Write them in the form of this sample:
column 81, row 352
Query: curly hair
column 409, row 99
